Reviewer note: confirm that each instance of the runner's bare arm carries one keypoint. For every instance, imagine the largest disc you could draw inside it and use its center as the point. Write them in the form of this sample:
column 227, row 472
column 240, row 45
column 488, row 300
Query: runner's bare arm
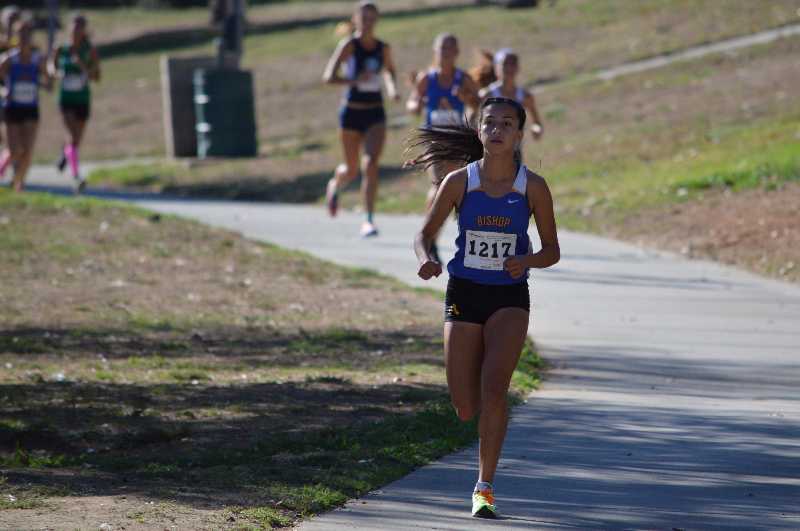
column 417, row 94
column 447, row 198
column 541, row 203
column 44, row 76
column 390, row 74
column 537, row 129
column 94, row 65
column 343, row 52
column 52, row 67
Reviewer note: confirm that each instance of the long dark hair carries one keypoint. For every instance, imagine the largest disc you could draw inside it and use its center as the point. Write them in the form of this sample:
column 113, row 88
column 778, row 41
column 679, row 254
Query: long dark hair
column 454, row 143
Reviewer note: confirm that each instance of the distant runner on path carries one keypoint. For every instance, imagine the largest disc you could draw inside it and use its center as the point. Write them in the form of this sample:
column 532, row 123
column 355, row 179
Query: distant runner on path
column 8, row 17
column 24, row 69
column 506, row 68
column 75, row 64
column 362, row 118
column 442, row 92
column 487, row 302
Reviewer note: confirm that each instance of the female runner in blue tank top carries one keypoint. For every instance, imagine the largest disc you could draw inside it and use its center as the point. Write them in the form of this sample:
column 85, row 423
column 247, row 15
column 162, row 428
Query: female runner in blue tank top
column 24, row 70
column 443, row 92
column 506, row 68
column 362, row 118
column 487, row 302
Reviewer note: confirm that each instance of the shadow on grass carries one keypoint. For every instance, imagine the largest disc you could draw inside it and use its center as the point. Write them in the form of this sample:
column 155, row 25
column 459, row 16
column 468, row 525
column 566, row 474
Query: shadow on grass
column 173, row 39
column 191, row 431
column 212, row 446
column 249, row 347
column 307, row 188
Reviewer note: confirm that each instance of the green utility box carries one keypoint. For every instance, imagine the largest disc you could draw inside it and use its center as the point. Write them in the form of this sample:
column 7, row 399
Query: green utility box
column 225, row 113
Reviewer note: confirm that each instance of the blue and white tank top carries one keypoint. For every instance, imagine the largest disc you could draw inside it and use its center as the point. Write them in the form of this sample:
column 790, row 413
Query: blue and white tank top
column 490, row 229
column 22, row 81
column 363, row 60
column 443, row 107
column 496, row 91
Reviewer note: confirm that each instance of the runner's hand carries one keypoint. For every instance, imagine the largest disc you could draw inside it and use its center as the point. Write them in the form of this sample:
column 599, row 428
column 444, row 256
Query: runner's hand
column 429, row 269
column 514, row 267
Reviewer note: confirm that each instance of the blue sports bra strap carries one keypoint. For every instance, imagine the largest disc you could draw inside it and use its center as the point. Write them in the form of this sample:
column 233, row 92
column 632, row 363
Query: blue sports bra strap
column 473, row 177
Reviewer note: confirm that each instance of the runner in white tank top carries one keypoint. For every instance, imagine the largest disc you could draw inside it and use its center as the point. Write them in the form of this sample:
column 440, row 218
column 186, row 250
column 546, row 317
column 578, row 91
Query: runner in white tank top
column 506, row 66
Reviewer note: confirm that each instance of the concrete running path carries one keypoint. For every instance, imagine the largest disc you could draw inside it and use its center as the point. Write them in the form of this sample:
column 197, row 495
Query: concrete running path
column 672, row 403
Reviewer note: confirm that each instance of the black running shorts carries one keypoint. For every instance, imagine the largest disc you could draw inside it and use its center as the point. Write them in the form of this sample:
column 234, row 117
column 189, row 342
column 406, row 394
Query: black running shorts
column 361, row 119
column 469, row 302
column 81, row 111
column 16, row 115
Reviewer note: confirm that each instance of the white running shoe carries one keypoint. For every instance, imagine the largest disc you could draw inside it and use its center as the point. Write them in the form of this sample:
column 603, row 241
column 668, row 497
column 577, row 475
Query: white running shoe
column 368, row 230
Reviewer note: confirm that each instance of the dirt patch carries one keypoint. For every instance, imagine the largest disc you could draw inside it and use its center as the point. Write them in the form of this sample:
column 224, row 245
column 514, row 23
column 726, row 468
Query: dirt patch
column 753, row 229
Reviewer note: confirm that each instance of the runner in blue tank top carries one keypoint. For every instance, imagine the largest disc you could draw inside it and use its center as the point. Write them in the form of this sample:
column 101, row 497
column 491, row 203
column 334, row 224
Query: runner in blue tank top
column 24, row 70
column 506, row 68
column 443, row 92
column 487, row 302
column 362, row 119
column 8, row 17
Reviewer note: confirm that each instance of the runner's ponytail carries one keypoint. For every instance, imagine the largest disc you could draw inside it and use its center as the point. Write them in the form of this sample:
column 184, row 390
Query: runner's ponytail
column 446, row 143
column 458, row 144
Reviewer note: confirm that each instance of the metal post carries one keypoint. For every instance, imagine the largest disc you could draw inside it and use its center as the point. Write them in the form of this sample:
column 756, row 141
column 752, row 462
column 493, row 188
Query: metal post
column 238, row 15
column 52, row 23
column 232, row 31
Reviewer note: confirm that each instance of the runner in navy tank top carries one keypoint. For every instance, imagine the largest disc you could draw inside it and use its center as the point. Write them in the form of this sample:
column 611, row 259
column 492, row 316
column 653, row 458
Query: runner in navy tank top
column 443, row 92
column 487, row 302
column 24, row 70
column 362, row 119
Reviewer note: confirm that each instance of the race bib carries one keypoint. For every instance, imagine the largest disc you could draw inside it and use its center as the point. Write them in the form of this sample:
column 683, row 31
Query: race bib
column 372, row 84
column 73, row 82
column 446, row 117
column 24, row 92
column 488, row 250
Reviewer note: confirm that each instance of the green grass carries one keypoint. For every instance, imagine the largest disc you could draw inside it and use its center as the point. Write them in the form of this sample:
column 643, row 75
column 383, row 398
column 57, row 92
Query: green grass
column 768, row 175
column 527, row 376
column 265, row 516
column 335, row 338
column 762, row 153
column 136, row 175
column 21, row 458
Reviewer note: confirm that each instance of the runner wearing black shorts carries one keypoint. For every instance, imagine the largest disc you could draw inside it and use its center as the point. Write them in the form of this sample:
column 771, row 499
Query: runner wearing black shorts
column 362, row 118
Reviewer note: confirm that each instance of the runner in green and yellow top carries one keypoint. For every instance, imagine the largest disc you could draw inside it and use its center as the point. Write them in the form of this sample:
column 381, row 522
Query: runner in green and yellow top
column 75, row 64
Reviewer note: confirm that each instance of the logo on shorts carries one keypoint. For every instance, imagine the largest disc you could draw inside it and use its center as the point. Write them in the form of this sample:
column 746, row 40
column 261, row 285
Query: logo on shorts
column 452, row 310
